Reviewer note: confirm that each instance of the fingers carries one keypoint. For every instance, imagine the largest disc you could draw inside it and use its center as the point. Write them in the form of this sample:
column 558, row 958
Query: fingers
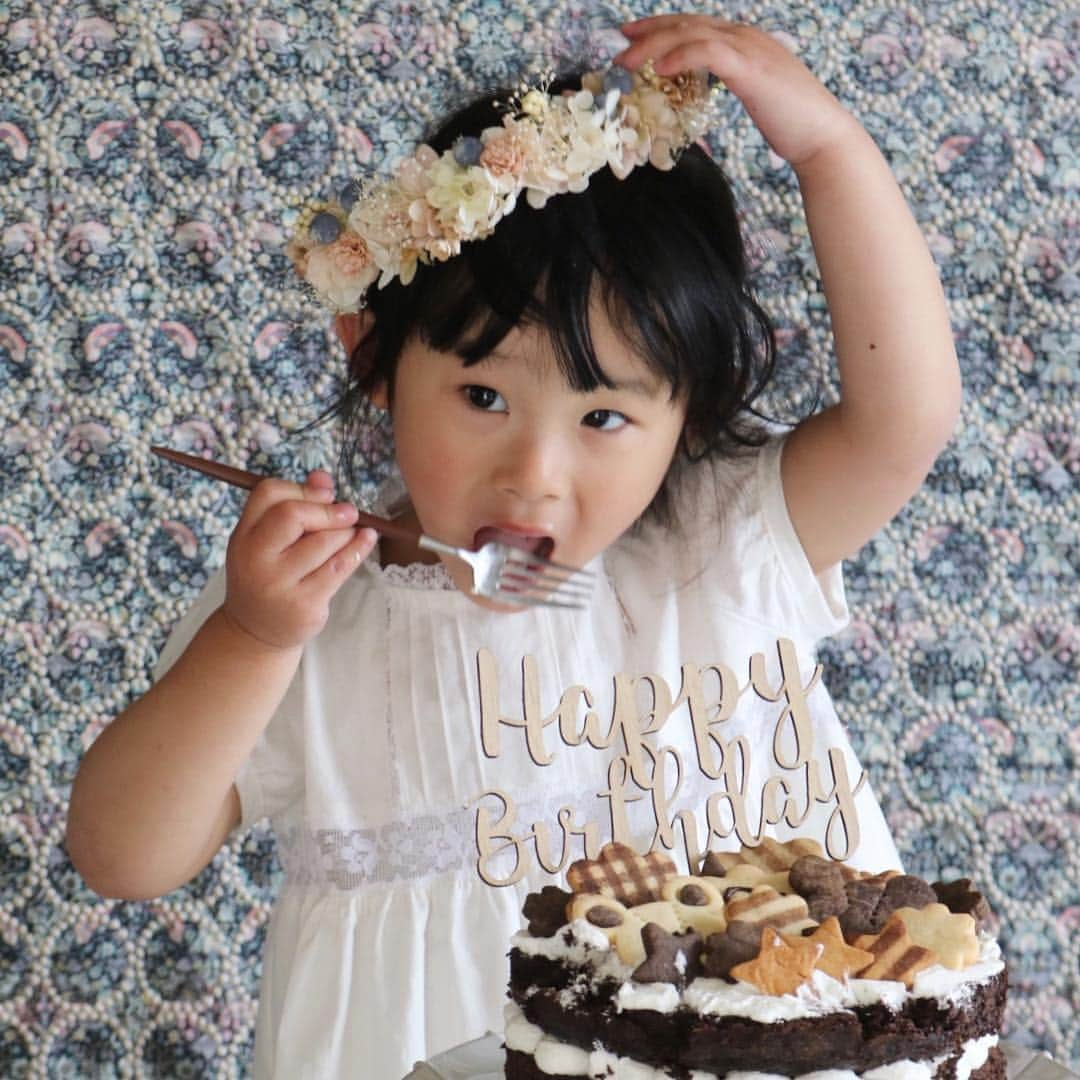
column 279, row 512
column 639, row 27
column 312, row 549
column 333, row 565
column 687, row 56
column 268, row 493
column 300, row 528
column 678, row 43
column 291, row 551
column 320, row 480
column 693, row 55
column 280, row 528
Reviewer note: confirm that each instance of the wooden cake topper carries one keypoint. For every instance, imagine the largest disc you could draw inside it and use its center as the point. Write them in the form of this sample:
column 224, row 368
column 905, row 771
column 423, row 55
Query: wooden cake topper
column 643, row 769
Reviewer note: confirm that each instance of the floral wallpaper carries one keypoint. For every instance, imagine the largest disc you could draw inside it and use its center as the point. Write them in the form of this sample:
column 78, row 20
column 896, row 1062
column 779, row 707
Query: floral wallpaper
column 153, row 155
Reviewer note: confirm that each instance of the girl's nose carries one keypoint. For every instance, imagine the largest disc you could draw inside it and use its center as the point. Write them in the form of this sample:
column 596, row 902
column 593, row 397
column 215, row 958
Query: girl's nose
column 532, row 468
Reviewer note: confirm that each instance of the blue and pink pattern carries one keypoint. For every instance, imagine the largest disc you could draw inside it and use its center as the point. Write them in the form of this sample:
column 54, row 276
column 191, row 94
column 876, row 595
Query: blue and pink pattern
column 152, row 160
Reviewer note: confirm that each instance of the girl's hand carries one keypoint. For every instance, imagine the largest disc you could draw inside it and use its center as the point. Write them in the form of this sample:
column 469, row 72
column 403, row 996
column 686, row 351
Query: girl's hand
column 291, row 550
column 792, row 109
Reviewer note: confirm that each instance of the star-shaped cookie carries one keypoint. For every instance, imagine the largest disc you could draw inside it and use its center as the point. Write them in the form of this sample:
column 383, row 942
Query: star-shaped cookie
column 837, row 958
column 670, row 958
column 780, row 967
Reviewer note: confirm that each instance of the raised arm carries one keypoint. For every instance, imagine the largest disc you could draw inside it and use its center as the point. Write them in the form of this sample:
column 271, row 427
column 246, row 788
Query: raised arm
column 848, row 469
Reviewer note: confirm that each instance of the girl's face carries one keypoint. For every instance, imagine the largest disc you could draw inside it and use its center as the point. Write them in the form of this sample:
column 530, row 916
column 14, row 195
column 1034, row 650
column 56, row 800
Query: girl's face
column 507, row 444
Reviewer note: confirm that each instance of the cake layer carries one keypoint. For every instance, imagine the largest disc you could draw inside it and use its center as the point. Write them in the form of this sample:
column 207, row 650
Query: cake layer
column 979, row 1061
column 574, row 1007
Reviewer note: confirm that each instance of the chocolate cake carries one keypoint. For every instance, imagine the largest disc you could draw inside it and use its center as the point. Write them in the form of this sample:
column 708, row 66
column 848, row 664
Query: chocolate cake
column 770, row 962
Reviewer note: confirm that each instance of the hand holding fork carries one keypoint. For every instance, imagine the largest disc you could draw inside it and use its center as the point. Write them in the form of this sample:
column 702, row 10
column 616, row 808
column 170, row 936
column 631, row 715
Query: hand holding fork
column 303, row 541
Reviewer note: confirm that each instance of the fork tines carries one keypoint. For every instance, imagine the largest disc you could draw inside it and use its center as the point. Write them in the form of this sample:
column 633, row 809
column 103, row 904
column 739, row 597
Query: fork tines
column 526, row 579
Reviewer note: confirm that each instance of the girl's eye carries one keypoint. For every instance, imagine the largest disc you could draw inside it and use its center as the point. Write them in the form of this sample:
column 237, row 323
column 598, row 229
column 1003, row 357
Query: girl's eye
column 483, row 397
column 604, row 420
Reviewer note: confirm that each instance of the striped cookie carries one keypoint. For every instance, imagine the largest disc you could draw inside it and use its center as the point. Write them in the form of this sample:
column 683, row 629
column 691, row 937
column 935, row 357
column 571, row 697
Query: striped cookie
column 747, row 877
column 774, row 856
column 766, row 907
column 896, row 956
column 769, row 854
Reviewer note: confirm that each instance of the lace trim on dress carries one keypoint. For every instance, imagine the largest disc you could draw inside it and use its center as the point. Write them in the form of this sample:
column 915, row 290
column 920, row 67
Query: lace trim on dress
column 352, row 859
column 418, row 576
column 430, row 845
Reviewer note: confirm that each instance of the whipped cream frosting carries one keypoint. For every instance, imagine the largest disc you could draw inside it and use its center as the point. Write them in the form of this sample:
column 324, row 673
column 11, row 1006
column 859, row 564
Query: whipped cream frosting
column 558, row 1058
column 587, row 947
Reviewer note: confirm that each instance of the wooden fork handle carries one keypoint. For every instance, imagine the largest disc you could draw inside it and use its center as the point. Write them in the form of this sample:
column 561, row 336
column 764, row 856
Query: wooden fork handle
column 247, row 480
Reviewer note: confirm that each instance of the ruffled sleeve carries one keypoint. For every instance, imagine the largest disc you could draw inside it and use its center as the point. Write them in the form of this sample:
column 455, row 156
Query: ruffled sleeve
column 732, row 562
column 817, row 599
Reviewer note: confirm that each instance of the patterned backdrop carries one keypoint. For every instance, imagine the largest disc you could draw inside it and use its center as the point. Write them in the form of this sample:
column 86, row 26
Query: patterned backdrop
column 152, row 157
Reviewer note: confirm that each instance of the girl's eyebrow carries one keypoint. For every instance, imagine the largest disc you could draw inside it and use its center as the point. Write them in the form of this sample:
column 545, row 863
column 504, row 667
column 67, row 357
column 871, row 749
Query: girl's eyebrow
column 639, row 385
column 643, row 387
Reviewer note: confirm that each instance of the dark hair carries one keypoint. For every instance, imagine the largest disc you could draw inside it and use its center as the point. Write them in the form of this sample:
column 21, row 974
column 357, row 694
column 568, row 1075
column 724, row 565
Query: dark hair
column 664, row 253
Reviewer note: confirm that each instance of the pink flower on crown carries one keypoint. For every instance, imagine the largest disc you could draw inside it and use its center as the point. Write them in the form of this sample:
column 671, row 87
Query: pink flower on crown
column 342, row 270
column 350, row 253
column 504, row 155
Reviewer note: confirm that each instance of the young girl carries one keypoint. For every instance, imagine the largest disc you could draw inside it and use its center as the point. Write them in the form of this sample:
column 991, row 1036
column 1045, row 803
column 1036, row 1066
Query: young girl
column 577, row 370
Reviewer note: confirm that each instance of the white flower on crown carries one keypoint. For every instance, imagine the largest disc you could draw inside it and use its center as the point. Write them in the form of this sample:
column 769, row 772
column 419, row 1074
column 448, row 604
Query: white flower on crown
column 382, row 219
column 466, row 199
column 661, row 122
column 593, row 141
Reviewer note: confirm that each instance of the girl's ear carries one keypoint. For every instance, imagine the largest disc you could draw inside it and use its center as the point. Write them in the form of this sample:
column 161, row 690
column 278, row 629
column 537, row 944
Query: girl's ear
column 352, row 328
column 380, row 396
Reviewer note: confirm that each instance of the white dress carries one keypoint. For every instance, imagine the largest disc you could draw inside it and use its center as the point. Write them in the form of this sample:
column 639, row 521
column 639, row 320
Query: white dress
column 385, row 945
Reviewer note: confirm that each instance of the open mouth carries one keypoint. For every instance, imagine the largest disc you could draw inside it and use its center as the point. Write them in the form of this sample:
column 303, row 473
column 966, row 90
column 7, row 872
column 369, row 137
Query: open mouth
column 541, row 546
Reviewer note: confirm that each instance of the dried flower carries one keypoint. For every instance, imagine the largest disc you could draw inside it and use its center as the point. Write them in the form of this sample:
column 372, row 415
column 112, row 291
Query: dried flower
column 342, row 271
column 546, row 146
column 503, row 155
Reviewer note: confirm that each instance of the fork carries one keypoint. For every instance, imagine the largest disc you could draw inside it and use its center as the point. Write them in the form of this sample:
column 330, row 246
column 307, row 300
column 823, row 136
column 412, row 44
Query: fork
column 499, row 571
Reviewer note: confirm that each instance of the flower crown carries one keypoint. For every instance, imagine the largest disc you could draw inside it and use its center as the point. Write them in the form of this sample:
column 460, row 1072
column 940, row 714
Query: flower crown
column 547, row 145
